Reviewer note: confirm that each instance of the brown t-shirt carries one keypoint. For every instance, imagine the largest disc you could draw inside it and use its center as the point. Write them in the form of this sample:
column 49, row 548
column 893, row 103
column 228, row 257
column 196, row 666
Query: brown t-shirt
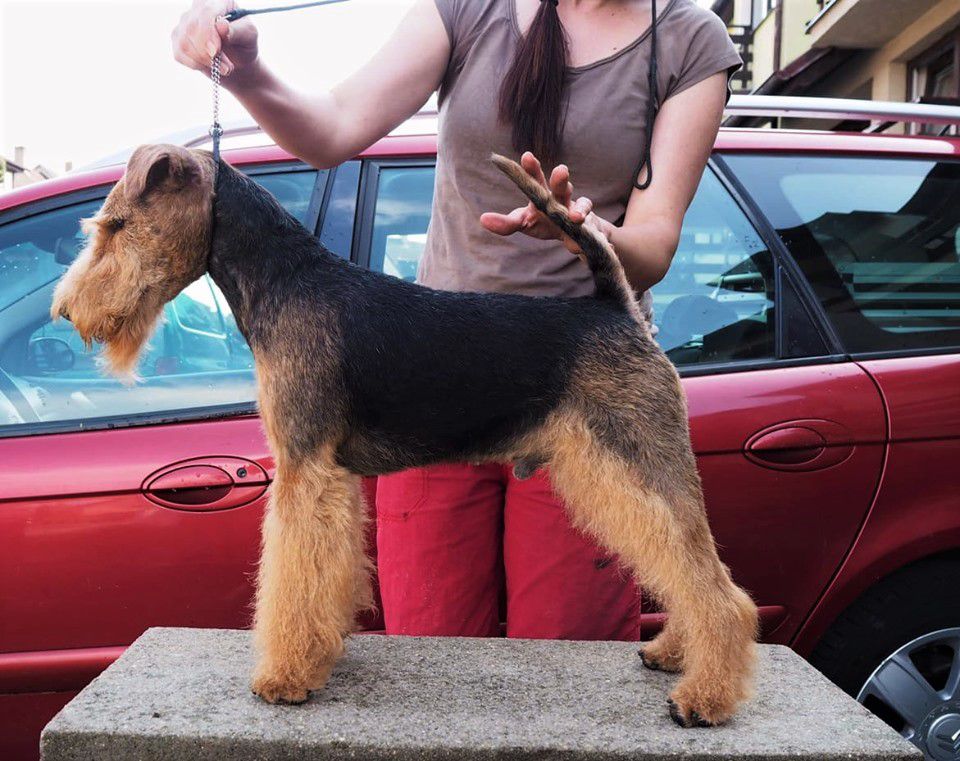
column 602, row 140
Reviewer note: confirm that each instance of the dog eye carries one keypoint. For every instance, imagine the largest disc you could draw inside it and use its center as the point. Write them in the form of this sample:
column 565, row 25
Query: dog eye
column 116, row 223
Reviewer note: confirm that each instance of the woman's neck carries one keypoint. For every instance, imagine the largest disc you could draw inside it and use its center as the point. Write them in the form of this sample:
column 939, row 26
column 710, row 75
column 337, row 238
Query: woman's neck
column 595, row 29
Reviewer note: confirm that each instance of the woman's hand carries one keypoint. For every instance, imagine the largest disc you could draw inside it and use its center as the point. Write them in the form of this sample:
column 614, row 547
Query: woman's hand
column 200, row 35
column 531, row 221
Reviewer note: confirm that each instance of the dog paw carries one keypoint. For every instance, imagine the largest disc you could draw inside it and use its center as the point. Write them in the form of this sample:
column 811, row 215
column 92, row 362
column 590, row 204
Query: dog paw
column 688, row 720
column 275, row 692
column 657, row 660
column 689, row 713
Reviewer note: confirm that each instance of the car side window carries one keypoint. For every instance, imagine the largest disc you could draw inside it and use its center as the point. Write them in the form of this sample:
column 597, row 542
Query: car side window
column 38, row 248
column 878, row 239
column 292, row 189
column 336, row 231
column 716, row 302
column 401, row 218
column 34, row 252
column 196, row 359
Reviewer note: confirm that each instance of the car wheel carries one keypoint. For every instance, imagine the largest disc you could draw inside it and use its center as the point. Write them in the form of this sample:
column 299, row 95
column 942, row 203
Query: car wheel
column 897, row 650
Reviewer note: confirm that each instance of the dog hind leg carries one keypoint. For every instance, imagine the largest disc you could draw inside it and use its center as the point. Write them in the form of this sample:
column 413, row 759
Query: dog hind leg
column 313, row 577
column 665, row 540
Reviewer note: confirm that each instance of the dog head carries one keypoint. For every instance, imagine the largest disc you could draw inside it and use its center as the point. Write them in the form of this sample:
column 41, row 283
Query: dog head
column 148, row 241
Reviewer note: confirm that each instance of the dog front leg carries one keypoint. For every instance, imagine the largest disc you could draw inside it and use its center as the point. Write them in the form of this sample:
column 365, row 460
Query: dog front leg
column 312, row 578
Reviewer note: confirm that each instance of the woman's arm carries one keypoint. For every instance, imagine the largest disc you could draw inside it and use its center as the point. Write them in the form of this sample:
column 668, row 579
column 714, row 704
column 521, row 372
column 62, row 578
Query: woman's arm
column 683, row 136
column 327, row 128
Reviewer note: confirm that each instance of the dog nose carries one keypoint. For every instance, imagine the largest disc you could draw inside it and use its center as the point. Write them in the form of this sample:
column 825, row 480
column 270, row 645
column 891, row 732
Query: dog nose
column 64, row 314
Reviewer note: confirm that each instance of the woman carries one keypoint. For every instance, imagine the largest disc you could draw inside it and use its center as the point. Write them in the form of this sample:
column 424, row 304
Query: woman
column 565, row 81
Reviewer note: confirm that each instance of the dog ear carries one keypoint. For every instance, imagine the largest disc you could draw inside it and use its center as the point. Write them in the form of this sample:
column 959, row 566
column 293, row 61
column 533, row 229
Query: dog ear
column 154, row 166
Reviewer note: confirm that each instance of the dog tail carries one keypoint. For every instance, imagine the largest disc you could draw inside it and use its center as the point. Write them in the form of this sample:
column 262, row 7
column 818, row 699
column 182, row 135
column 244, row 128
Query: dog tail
column 608, row 275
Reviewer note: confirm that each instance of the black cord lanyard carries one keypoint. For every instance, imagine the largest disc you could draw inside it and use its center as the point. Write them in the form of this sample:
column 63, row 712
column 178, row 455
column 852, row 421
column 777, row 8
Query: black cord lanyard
column 239, row 13
column 652, row 106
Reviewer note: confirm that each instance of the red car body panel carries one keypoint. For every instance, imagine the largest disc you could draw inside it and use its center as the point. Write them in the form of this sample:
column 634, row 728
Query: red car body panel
column 752, row 507
column 96, row 518
column 23, row 717
column 73, row 510
column 782, row 141
column 801, row 141
column 917, row 510
column 406, row 145
column 54, row 670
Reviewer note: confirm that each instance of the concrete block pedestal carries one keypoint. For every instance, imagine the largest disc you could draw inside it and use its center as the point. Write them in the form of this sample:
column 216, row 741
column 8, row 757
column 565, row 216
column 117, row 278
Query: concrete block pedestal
column 184, row 694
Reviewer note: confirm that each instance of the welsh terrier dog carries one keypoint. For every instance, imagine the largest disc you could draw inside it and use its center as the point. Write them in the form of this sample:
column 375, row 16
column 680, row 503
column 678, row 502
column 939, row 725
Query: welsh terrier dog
column 362, row 374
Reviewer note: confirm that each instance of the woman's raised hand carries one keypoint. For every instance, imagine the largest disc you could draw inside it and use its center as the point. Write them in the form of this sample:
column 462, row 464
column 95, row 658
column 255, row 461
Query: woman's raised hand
column 201, row 34
column 529, row 220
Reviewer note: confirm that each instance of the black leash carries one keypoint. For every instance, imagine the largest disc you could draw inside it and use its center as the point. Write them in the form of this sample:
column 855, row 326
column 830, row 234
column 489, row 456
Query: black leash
column 216, row 131
column 652, row 106
column 239, row 13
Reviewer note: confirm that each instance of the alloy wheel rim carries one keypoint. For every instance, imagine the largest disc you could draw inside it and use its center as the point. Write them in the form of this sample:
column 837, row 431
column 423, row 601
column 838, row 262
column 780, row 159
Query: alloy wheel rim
column 916, row 690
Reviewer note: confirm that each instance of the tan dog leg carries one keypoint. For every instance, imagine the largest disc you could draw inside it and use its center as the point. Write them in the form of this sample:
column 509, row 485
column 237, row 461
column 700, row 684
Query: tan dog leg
column 666, row 543
column 313, row 577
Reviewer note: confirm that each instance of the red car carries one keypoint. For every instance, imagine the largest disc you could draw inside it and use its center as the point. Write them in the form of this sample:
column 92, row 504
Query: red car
column 813, row 310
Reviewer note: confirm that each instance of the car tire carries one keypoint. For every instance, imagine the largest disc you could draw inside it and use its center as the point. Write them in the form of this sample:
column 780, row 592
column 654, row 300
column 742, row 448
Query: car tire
column 917, row 600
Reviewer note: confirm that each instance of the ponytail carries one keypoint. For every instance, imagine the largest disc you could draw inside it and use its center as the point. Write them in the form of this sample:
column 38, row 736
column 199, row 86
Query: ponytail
column 531, row 96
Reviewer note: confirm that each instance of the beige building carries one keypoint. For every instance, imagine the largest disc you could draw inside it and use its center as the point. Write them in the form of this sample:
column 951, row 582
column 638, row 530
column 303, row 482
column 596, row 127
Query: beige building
column 15, row 173
column 898, row 50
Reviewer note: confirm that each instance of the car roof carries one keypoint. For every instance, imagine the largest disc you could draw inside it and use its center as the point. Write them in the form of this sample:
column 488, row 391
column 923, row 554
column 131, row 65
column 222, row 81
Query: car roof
column 425, row 145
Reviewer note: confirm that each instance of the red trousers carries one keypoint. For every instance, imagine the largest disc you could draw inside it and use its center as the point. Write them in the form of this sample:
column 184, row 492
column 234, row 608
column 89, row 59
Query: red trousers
column 450, row 537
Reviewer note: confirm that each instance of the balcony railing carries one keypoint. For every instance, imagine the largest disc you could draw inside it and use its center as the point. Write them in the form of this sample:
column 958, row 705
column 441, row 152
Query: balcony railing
column 742, row 37
column 824, row 6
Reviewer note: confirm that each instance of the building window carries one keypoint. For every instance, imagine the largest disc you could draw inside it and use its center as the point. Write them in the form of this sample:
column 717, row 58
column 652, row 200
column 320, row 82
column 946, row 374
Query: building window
column 935, row 78
column 762, row 9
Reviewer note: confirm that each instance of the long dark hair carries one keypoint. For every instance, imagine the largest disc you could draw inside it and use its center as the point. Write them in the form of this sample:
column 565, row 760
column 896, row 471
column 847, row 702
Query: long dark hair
column 531, row 96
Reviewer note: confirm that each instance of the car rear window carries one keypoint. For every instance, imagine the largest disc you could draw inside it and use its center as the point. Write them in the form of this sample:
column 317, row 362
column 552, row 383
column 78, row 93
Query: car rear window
column 878, row 239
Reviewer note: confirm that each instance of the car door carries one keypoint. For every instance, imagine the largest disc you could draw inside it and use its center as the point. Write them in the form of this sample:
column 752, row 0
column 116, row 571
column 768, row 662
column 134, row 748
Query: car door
column 878, row 237
column 789, row 436
column 121, row 507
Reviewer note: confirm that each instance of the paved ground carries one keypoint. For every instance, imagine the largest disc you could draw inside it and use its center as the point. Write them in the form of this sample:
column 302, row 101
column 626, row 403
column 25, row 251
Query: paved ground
column 183, row 694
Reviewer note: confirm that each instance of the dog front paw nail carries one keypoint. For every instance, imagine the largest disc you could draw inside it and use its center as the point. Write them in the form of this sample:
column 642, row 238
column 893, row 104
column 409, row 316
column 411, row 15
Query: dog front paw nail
column 648, row 662
column 696, row 721
column 687, row 719
column 279, row 694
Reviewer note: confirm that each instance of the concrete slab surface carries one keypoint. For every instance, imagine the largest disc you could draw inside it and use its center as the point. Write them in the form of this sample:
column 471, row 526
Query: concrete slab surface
column 184, row 694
